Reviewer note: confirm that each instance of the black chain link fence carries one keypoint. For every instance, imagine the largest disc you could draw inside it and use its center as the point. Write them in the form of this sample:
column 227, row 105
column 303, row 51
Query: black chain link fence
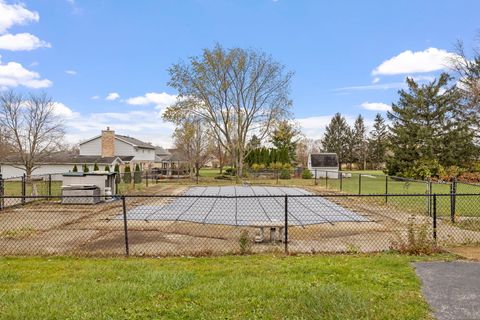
column 168, row 225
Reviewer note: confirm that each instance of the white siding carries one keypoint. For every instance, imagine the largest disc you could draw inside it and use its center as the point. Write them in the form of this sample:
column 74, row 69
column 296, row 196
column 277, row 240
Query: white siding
column 142, row 154
column 91, row 148
column 123, row 149
column 9, row 171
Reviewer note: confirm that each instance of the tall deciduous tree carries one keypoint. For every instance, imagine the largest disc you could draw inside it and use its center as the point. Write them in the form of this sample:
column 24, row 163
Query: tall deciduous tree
column 236, row 92
column 192, row 140
column 306, row 147
column 467, row 71
column 33, row 130
column 336, row 138
column 378, row 142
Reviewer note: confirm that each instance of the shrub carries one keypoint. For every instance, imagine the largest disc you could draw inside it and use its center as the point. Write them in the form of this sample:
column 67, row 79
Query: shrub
column 258, row 167
column 117, row 170
column 95, row 167
column 85, row 168
column 127, row 175
column 244, row 242
column 307, row 174
column 107, row 168
column 418, row 240
column 424, row 169
column 285, row 174
column 75, row 169
column 276, row 165
column 137, row 175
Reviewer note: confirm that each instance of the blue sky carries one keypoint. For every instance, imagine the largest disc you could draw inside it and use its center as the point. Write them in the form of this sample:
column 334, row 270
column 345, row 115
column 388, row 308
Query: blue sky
column 348, row 56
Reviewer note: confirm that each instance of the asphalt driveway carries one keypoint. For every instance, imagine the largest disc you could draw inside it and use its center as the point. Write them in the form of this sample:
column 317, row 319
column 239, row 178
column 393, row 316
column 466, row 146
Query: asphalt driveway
column 451, row 288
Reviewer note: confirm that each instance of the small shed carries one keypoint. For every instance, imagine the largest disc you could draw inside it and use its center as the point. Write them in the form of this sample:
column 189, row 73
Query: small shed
column 103, row 180
column 323, row 165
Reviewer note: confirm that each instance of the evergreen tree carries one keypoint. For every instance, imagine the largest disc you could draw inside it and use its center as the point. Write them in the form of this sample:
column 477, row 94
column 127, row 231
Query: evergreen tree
column 360, row 142
column 335, row 138
column 427, row 128
column 95, row 167
column 75, row 169
column 116, row 168
column 127, row 175
column 254, row 143
column 285, row 137
column 85, row 168
column 377, row 142
column 107, row 168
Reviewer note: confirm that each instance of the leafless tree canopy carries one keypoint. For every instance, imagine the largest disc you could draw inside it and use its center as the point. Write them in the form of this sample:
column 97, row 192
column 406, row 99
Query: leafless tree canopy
column 467, row 70
column 31, row 127
column 192, row 140
column 236, row 92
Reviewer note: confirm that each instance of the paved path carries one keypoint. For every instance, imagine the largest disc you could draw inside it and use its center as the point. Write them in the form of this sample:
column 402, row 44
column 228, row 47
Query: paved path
column 451, row 288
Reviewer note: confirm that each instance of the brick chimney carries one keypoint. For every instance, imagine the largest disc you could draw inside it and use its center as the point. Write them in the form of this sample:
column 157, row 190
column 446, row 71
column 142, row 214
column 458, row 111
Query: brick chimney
column 108, row 143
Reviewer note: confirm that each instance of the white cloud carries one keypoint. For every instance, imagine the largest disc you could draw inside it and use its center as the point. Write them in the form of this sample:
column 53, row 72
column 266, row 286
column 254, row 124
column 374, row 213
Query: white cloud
column 431, row 59
column 378, row 86
column 13, row 74
column 63, row 111
column 314, row 127
column 160, row 100
column 71, row 72
column 15, row 14
column 95, row 97
column 376, row 80
column 21, row 42
column 376, row 106
column 112, row 96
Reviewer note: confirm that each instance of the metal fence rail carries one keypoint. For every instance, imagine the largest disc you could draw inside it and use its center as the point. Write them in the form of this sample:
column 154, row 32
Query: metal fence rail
column 163, row 225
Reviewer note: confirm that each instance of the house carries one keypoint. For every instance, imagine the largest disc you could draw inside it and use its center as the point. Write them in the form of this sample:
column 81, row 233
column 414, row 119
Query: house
column 106, row 149
column 110, row 145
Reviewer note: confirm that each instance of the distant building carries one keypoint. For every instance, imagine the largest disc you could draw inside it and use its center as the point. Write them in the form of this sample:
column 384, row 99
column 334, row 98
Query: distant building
column 108, row 148
column 323, row 164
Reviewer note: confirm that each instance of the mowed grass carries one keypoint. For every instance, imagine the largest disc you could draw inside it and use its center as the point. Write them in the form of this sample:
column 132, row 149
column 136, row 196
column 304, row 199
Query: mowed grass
column 380, row 286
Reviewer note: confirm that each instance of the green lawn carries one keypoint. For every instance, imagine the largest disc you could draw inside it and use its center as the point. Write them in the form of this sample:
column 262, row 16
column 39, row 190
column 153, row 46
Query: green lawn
column 233, row 287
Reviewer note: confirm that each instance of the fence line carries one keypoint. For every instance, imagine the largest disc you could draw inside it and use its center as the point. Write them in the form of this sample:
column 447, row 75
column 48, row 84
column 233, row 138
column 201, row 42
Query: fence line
column 205, row 224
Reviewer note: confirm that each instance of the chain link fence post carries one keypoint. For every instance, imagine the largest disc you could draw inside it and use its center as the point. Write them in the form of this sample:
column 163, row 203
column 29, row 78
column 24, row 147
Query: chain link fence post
column 326, row 179
column 125, row 226
column 341, row 181
column 2, row 192
column 286, row 225
column 316, row 177
column 360, row 183
column 49, row 185
column 453, row 198
column 435, row 217
column 24, row 188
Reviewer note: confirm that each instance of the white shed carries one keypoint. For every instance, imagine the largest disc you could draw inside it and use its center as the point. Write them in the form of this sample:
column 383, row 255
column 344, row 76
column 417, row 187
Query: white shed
column 323, row 165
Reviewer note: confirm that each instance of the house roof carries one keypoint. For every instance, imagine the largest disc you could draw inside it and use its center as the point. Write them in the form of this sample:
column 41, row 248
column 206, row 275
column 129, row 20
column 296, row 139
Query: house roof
column 159, row 151
column 68, row 157
column 130, row 140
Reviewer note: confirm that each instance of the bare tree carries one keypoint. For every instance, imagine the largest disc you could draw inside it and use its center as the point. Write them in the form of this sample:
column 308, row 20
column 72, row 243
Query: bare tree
column 32, row 129
column 236, row 92
column 192, row 140
column 467, row 70
column 305, row 147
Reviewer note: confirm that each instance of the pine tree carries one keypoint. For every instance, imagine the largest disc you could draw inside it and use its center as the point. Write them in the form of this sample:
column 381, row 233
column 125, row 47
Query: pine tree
column 85, row 168
column 426, row 128
column 335, row 138
column 360, row 142
column 285, row 136
column 378, row 141
column 75, row 169
column 95, row 167
column 107, row 168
